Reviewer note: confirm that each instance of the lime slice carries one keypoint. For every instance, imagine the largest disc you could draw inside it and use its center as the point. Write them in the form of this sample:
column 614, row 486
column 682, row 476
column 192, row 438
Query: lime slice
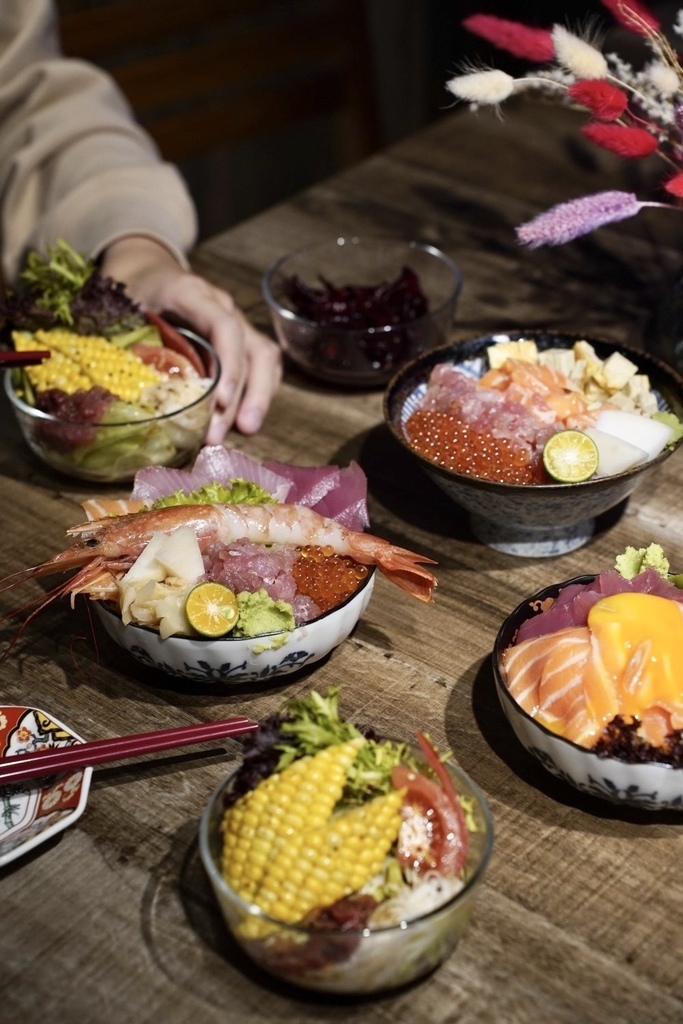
column 212, row 609
column 570, row 456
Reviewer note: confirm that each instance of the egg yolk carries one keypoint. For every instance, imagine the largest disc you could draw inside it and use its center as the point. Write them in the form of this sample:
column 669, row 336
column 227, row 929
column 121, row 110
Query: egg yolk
column 638, row 642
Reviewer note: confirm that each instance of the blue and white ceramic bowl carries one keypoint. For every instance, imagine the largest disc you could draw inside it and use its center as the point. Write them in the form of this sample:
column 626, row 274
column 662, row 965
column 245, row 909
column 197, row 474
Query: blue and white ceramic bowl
column 537, row 520
column 651, row 786
column 239, row 660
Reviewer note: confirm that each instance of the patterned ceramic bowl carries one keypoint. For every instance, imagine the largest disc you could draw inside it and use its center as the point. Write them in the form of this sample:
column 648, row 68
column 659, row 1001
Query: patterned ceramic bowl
column 236, row 660
column 35, row 810
column 538, row 520
column 344, row 960
column 651, row 786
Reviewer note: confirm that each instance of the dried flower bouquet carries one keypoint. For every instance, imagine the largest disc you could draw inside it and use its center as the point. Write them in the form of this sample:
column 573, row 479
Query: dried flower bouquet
column 634, row 113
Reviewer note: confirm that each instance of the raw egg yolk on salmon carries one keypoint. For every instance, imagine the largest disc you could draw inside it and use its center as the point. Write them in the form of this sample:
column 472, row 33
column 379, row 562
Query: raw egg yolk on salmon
column 638, row 643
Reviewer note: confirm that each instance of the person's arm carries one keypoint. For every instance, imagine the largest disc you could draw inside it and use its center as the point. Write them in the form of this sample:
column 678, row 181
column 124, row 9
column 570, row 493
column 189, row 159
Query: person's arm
column 75, row 165
column 251, row 362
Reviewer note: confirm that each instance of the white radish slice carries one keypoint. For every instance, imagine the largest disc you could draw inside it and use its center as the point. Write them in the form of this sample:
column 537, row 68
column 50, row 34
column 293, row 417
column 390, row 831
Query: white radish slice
column 641, row 431
column 614, row 454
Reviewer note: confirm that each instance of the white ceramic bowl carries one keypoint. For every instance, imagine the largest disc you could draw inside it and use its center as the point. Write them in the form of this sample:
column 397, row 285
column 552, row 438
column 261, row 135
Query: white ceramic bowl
column 651, row 786
column 107, row 453
column 535, row 520
column 239, row 660
column 366, row 961
column 36, row 809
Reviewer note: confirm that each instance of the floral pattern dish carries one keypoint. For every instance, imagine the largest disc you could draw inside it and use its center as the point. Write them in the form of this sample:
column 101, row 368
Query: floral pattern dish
column 33, row 811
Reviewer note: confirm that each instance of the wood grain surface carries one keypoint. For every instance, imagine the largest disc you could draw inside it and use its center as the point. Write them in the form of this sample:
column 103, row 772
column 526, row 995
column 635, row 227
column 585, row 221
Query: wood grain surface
column 580, row 919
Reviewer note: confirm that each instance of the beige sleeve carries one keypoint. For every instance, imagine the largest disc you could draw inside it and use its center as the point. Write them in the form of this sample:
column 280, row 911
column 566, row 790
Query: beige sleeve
column 73, row 162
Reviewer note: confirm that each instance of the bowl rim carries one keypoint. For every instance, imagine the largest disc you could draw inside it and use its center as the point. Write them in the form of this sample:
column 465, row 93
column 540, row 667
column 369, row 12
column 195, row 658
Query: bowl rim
column 442, row 354
column 502, row 689
column 254, row 911
column 340, row 241
column 205, row 640
column 35, row 414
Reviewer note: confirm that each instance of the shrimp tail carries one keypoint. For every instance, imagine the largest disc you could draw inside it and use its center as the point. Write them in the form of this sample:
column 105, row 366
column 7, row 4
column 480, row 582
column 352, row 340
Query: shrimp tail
column 400, row 565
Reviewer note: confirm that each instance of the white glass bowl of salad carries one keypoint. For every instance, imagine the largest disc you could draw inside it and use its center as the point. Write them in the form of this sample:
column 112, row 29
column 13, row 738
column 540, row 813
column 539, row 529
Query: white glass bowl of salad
column 166, row 428
column 412, row 910
column 117, row 388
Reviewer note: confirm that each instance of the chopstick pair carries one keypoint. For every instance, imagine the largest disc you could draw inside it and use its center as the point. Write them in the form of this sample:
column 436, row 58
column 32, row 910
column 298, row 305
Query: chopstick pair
column 9, row 357
column 81, row 755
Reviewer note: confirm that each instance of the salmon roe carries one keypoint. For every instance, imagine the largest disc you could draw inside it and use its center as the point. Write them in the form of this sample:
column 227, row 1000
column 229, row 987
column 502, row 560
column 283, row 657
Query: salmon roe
column 326, row 578
column 448, row 441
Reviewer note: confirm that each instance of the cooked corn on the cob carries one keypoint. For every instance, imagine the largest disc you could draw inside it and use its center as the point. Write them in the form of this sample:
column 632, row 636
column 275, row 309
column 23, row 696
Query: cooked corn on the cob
column 79, row 362
column 287, row 852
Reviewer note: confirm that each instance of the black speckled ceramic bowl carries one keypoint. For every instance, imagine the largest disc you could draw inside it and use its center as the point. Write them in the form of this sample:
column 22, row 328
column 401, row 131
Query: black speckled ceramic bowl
column 539, row 520
column 652, row 786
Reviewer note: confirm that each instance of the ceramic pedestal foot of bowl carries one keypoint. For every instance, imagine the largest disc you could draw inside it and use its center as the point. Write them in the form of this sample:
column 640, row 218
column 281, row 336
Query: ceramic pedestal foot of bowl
column 532, row 541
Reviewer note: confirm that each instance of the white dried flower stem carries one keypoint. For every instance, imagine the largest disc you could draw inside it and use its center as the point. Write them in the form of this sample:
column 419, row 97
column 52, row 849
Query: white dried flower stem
column 578, row 56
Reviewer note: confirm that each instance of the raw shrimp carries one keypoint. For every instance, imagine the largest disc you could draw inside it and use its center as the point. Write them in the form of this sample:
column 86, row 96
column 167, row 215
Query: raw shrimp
column 104, row 549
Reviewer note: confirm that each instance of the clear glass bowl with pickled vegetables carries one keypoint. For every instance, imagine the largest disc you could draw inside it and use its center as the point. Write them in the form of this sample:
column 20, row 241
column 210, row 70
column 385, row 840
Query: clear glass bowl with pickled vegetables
column 382, row 935
column 95, row 434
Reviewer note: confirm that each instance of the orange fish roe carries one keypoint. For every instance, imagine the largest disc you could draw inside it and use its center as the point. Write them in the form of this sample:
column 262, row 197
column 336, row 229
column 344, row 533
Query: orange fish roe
column 326, row 578
column 445, row 439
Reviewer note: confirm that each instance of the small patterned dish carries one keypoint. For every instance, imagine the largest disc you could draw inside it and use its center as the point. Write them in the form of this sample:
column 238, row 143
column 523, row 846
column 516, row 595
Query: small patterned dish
column 536, row 520
column 651, row 786
column 34, row 810
column 239, row 660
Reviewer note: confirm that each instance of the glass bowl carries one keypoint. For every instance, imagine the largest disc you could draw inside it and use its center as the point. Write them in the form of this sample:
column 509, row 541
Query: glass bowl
column 527, row 520
column 352, row 962
column 107, row 453
column 361, row 357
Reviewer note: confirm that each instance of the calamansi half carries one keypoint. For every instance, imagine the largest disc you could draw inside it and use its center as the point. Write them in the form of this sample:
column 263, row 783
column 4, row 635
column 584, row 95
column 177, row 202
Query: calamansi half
column 212, row 609
column 570, row 456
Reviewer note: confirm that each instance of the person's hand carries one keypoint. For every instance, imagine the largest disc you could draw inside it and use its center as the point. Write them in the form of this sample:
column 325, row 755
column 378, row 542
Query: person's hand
column 251, row 363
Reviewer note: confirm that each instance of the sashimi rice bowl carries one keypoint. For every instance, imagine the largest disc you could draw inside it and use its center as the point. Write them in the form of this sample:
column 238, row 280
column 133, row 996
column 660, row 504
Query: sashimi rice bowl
column 365, row 883
column 235, row 569
column 536, row 433
column 588, row 675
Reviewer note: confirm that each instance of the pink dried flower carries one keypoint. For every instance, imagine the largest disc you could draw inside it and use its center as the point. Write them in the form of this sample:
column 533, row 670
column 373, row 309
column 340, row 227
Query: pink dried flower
column 633, row 15
column 566, row 221
column 674, row 186
column 534, row 44
column 603, row 99
column 624, row 140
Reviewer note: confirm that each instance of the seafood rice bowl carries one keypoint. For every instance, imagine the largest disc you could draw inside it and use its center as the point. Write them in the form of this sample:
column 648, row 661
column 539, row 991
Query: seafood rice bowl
column 586, row 674
column 235, row 570
column 483, row 417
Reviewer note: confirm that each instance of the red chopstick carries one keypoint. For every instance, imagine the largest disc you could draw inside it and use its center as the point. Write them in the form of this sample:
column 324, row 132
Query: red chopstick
column 45, row 762
column 11, row 358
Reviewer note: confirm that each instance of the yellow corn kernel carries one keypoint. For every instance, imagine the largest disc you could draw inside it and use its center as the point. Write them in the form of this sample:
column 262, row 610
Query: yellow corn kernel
column 80, row 362
column 326, row 857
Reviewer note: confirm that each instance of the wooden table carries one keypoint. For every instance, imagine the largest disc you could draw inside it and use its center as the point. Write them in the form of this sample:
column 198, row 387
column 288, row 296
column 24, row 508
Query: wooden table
column 580, row 919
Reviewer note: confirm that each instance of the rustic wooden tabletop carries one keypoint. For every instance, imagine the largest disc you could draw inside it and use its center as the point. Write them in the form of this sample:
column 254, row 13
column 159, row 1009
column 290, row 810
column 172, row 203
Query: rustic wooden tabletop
column 580, row 919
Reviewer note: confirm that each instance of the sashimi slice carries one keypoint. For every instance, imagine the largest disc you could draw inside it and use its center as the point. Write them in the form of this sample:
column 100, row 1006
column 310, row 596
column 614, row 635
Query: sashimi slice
column 100, row 508
column 214, row 464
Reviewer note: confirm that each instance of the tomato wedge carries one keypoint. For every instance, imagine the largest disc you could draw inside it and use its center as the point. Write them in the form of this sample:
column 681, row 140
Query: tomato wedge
column 163, row 359
column 177, row 342
column 433, row 834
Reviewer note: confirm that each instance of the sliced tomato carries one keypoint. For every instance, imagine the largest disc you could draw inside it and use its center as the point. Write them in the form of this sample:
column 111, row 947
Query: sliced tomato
column 163, row 359
column 433, row 834
column 177, row 342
